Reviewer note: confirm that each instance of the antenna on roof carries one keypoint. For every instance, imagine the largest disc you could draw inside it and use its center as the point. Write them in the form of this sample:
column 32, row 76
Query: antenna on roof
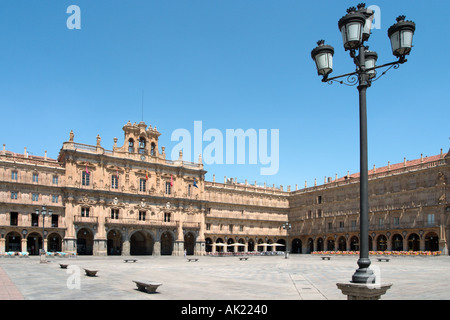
column 142, row 104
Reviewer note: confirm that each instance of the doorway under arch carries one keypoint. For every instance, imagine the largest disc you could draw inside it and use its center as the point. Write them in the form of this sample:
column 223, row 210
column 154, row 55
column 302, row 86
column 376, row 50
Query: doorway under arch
column 296, row 246
column 189, row 243
column 114, row 242
column 141, row 243
column 166, row 243
column 431, row 242
column 34, row 243
column 54, row 243
column 85, row 242
column 13, row 242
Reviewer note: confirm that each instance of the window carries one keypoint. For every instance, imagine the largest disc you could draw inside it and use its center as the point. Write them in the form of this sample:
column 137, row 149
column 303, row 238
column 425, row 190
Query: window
column 85, row 212
column 34, row 219
column 319, row 213
column 13, row 195
column 35, row 196
column 114, row 213
column 142, row 215
column 142, row 185
column 381, row 222
column 114, row 182
column 35, row 177
column 13, row 218
column 319, row 199
column 168, row 188
column 13, row 175
column 430, row 219
column 166, row 216
column 230, row 228
column 309, row 214
column 241, row 228
column 396, row 221
column 341, row 225
column 353, row 224
column 330, row 226
column 189, row 190
column 208, row 226
column 55, row 198
column 85, row 179
column 55, row 180
column 55, row 221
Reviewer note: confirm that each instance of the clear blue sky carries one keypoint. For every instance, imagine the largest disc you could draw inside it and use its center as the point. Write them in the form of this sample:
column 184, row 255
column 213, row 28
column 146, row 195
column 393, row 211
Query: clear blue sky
column 230, row 64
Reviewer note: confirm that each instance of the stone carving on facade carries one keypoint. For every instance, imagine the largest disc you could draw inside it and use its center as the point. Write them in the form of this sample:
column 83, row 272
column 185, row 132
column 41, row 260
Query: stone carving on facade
column 85, row 201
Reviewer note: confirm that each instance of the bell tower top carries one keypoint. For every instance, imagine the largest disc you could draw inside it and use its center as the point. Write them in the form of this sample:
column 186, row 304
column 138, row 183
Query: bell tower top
column 140, row 139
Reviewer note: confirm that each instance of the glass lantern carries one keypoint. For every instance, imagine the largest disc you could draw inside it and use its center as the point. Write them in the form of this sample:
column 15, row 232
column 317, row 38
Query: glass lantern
column 401, row 36
column 352, row 27
column 323, row 57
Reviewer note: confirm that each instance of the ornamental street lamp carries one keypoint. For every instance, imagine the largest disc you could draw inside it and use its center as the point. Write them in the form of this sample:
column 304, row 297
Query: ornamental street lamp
column 287, row 226
column 44, row 213
column 355, row 29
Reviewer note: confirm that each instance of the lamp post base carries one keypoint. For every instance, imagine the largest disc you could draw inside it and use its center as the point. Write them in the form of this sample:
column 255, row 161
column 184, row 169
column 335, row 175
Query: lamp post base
column 363, row 291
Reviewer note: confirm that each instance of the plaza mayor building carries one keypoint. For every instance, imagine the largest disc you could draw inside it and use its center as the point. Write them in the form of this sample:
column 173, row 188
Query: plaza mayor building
column 131, row 200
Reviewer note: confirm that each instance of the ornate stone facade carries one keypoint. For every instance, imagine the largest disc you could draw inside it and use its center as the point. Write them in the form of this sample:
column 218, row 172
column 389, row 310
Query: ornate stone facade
column 132, row 200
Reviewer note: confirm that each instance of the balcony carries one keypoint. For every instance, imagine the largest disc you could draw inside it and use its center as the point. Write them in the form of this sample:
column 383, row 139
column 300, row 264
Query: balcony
column 85, row 220
column 143, row 223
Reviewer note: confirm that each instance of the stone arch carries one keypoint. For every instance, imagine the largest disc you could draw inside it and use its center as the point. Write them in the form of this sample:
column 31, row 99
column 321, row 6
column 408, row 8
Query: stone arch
column 189, row 243
column 413, row 242
column 310, row 245
column 320, row 245
column 260, row 248
column 431, row 242
column 354, row 243
column 381, row 243
column 131, row 145
column 397, row 242
column 141, row 243
column 34, row 243
column 13, row 242
column 296, row 246
column 242, row 242
column 342, row 244
column 208, row 244
column 219, row 248
column 230, row 247
column 54, row 242
column 280, row 248
column 114, row 242
column 331, row 244
column 251, row 245
column 142, row 145
column 167, row 242
column 85, row 241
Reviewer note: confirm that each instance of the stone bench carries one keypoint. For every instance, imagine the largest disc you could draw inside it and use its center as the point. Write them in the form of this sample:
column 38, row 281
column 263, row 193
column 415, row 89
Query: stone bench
column 90, row 273
column 132, row 260
column 383, row 259
column 326, row 258
column 147, row 286
column 243, row 258
column 192, row 259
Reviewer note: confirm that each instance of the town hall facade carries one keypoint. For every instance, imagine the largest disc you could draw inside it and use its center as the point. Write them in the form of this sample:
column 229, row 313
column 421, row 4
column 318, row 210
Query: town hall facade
column 131, row 200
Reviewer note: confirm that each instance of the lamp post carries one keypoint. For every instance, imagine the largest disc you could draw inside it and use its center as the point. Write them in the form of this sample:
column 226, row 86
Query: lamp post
column 44, row 213
column 287, row 226
column 355, row 28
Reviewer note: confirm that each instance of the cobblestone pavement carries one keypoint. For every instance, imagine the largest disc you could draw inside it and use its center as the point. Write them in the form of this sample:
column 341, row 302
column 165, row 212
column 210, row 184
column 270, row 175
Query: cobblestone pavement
column 301, row 277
